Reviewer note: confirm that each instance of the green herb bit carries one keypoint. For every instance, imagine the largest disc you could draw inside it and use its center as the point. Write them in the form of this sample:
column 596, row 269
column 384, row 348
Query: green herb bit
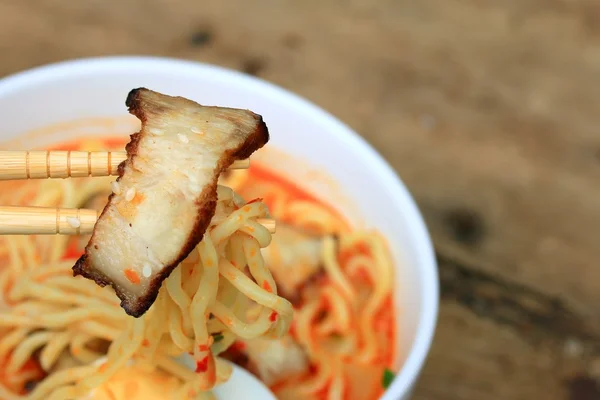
column 387, row 378
column 217, row 337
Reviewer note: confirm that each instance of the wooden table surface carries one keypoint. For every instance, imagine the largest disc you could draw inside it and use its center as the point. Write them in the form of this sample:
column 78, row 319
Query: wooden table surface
column 490, row 112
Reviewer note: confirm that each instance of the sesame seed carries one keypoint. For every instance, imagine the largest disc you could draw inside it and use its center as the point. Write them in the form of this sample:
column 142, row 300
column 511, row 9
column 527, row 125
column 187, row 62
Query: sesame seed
column 146, row 271
column 116, row 189
column 196, row 130
column 130, row 194
column 183, row 138
column 155, row 131
column 74, row 222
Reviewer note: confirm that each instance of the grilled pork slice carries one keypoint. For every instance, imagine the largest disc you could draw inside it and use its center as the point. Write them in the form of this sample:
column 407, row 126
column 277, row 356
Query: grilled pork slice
column 271, row 360
column 293, row 257
column 166, row 192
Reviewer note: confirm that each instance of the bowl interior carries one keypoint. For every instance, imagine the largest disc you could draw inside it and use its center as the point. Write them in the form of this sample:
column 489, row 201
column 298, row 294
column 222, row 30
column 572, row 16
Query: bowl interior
column 307, row 145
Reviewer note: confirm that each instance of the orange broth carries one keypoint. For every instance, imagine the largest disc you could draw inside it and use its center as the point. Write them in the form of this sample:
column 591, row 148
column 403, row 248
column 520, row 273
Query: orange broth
column 385, row 321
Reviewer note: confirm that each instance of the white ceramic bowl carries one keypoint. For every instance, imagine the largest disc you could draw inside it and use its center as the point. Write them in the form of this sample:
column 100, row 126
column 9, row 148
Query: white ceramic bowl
column 350, row 173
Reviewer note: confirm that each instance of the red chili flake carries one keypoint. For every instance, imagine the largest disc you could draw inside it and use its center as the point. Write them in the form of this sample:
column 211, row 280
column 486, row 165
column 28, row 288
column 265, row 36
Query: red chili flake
column 255, row 200
column 362, row 274
column 273, row 316
column 202, row 365
column 203, row 347
column 292, row 330
column 137, row 199
column 146, row 343
column 240, row 346
column 72, row 251
column 267, row 287
column 132, row 276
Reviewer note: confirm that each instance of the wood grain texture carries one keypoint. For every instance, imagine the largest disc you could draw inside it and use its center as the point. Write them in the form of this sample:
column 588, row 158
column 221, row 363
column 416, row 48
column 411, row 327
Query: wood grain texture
column 488, row 110
column 17, row 220
column 20, row 164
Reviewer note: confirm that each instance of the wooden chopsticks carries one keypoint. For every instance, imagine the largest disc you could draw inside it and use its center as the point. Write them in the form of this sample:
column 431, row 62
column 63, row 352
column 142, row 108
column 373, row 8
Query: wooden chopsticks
column 16, row 220
column 66, row 164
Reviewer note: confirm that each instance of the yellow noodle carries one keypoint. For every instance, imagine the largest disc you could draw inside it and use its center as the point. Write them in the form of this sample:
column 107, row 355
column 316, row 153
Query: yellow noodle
column 235, row 221
column 26, row 348
column 181, row 300
column 256, row 264
column 55, row 346
column 91, row 313
column 176, row 330
column 304, row 320
column 383, row 286
column 34, row 308
column 15, row 263
column 252, row 290
column 333, row 268
column 48, row 293
column 311, row 214
column 65, row 392
column 361, row 262
column 340, row 309
column 99, row 330
column 51, row 383
column 57, row 248
column 236, row 251
column 327, row 326
column 240, row 328
column 213, row 281
column 84, row 287
column 28, row 250
column 318, row 381
column 170, row 365
column 79, row 350
column 336, row 390
column 9, row 341
column 207, row 291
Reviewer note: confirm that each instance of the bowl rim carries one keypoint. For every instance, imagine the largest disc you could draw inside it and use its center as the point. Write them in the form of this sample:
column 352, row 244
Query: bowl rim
column 410, row 370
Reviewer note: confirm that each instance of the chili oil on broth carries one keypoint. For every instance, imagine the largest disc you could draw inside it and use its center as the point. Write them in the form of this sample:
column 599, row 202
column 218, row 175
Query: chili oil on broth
column 344, row 313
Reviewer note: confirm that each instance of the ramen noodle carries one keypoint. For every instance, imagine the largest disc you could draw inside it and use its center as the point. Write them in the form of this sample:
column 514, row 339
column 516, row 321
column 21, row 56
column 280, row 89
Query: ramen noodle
column 337, row 281
column 64, row 337
column 342, row 341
